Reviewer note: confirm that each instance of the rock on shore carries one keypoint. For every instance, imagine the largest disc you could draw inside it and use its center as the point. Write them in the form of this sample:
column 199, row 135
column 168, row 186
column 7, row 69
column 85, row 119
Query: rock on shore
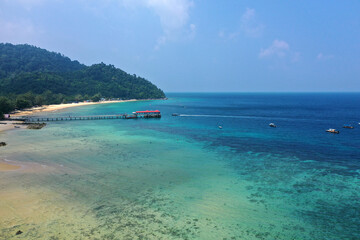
column 36, row 125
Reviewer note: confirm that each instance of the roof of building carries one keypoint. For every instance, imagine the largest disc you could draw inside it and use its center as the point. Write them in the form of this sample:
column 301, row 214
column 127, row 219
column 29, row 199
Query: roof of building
column 148, row 111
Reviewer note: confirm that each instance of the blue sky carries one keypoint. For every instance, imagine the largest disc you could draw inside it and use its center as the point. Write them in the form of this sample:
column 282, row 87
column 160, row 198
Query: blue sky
column 198, row 45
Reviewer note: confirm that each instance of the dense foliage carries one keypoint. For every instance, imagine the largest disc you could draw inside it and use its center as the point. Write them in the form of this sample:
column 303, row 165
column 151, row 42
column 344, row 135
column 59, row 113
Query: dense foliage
column 32, row 76
column 16, row 59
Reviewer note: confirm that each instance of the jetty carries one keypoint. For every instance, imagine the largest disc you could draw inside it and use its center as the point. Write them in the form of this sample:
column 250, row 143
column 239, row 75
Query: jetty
column 134, row 115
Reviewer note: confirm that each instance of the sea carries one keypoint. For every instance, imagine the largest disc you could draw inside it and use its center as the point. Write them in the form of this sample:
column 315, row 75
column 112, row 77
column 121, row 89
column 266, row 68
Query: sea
column 184, row 177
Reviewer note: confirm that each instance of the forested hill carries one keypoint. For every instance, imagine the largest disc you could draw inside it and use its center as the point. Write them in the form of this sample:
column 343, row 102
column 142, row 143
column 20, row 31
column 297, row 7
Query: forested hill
column 33, row 76
column 16, row 59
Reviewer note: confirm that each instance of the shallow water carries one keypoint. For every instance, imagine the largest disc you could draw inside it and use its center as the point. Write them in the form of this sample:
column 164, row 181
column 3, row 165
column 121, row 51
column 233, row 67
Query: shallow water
column 183, row 177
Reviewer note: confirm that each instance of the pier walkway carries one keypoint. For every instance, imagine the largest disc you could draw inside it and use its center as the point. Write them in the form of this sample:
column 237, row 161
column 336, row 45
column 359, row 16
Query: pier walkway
column 135, row 115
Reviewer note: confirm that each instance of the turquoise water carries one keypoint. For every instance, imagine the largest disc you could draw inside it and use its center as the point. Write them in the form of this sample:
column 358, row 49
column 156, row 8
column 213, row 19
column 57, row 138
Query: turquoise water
column 183, row 177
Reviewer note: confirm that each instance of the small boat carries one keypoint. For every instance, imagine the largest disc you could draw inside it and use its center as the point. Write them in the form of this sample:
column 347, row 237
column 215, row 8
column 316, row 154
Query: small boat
column 220, row 127
column 16, row 126
column 272, row 125
column 332, row 130
column 348, row 126
column 175, row 114
column 132, row 116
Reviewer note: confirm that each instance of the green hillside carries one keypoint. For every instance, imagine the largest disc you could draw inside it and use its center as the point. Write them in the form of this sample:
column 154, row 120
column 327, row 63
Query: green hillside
column 33, row 76
column 15, row 59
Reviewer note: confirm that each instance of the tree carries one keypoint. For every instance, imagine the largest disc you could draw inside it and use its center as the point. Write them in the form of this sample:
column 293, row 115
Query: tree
column 78, row 98
column 96, row 97
column 48, row 97
column 39, row 100
column 6, row 106
column 22, row 103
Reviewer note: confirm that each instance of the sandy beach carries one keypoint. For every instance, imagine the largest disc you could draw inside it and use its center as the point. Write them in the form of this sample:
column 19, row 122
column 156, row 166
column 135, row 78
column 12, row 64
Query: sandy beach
column 10, row 125
column 56, row 107
column 50, row 108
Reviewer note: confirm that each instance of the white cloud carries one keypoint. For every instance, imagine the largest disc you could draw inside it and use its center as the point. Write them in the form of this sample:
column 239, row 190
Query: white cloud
column 321, row 56
column 296, row 57
column 221, row 34
column 250, row 25
column 192, row 27
column 16, row 32
column 278, row 48
column 27, row 4
column 192, row 30
column 173, row 15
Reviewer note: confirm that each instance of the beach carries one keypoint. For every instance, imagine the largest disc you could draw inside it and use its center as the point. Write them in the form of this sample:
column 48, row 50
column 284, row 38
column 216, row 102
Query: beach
column 56, row 107
column 9, row 125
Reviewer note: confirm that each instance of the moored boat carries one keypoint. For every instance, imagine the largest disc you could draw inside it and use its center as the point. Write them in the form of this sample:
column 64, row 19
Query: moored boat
column 332, row 130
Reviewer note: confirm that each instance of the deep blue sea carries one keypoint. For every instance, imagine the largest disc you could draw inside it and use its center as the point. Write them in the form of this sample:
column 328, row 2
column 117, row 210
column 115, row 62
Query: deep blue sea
column 301, row 120
column 182, row 177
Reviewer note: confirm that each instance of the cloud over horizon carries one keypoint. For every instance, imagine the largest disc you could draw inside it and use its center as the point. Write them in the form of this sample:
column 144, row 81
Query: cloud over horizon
column 250, row 25
column 173, row 15
column 278, row 48
column 27, row 4
column 19, row 31
column 322, row 56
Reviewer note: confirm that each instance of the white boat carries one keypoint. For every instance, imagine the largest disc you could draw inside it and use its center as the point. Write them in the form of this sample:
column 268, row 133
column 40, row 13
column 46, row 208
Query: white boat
column 220, row 127
column 272, row 125
column 332, row 130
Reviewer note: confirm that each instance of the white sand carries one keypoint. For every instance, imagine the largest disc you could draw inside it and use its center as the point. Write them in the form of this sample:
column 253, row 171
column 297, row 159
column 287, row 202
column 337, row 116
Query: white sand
column 55, row 107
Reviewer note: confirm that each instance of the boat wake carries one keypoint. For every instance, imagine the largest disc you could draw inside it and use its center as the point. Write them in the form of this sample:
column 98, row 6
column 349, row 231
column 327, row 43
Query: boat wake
column 226, row 116
column 251, row 117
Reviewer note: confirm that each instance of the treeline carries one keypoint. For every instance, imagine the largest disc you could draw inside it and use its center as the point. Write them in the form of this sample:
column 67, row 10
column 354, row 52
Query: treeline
column 98, row 78
column 29, row 99
column 16, row 59
column 30, row 76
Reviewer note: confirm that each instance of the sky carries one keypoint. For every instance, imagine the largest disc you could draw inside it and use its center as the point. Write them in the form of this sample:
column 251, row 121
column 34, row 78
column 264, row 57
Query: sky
column 201, row 45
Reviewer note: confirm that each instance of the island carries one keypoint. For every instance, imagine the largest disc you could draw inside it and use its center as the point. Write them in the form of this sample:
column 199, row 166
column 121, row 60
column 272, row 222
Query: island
column 31, row 76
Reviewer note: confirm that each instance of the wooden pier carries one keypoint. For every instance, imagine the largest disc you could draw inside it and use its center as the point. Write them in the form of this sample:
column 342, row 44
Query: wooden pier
column 135, row 115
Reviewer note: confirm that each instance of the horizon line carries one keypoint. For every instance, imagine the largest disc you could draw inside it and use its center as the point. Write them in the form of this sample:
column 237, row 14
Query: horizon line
column 262, row 92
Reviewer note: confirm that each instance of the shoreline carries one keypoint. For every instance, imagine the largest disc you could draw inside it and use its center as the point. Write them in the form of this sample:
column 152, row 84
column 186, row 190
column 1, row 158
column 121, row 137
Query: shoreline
column 10, row 125
column 55, row 107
